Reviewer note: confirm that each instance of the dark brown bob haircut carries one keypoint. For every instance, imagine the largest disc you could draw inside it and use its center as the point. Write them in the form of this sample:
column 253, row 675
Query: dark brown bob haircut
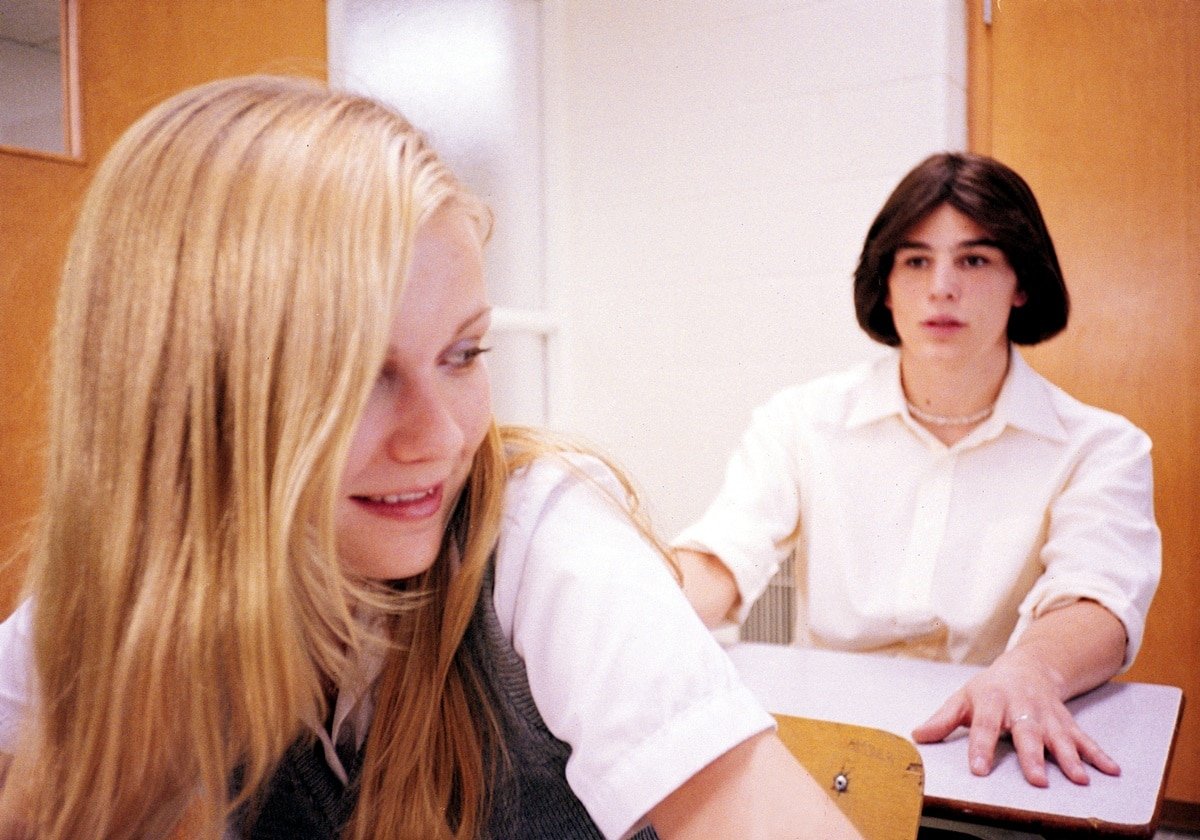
column 998, row 200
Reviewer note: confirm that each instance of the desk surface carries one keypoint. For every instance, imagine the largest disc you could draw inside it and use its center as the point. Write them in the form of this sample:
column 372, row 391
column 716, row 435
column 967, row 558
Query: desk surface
column 1135, row 723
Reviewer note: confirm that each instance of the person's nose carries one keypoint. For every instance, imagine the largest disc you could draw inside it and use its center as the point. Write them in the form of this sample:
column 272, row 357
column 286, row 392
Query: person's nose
column 944, row 282
column 426, row 428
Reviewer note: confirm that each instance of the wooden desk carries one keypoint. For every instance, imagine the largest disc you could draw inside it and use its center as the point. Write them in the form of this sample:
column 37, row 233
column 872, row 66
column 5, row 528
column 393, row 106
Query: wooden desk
column 1135, row 723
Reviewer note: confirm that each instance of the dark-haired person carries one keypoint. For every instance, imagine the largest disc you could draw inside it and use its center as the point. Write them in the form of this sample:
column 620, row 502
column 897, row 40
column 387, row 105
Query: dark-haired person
column 946, row 501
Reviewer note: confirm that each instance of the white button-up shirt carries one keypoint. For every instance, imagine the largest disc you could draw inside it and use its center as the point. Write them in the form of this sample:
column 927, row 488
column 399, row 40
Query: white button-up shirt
column 619, row 665
column 906, row 544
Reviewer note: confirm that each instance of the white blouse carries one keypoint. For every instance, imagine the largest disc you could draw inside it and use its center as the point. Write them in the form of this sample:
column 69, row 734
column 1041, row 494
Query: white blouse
column 618, row 663
column 908, row 545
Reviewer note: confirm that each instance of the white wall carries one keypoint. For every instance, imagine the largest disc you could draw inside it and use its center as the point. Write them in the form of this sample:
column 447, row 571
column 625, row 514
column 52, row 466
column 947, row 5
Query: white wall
column 711, row 169
column 468, row 73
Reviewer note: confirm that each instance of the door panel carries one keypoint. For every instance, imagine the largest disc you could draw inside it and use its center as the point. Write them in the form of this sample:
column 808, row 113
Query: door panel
column 1097, row 104
column 131, row 55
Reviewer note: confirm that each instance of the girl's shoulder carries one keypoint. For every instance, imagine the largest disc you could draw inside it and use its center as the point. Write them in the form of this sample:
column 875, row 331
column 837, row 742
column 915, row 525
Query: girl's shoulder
column 570, row 526
column 546, row 467
column 578, row 487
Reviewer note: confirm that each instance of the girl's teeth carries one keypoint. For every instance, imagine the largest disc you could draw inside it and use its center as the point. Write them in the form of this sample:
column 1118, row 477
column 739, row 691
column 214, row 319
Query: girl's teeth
column 397, row 498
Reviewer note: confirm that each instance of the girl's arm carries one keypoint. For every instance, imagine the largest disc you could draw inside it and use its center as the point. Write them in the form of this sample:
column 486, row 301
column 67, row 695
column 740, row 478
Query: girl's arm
column 621, row 668
column 755, row 790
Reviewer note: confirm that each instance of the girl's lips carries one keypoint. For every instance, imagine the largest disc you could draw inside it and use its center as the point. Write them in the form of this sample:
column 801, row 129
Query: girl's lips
column 412, row 506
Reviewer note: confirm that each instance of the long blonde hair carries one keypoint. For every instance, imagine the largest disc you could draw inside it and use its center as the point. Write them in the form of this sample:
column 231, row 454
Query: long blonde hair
column 223, row 314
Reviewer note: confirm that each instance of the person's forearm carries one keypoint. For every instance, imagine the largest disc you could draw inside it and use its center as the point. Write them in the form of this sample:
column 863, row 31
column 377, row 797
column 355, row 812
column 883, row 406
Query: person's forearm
column 1081, row 645
column 756, row 790
column 708, row 585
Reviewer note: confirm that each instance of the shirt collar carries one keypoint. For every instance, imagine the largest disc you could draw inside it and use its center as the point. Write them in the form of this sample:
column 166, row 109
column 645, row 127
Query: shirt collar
column 1024, row 401
column 352, row 709
column 880, row 395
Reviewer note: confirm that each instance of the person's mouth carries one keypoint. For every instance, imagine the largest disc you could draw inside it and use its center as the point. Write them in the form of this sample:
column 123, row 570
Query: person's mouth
column 414, row 504
column 942, row 325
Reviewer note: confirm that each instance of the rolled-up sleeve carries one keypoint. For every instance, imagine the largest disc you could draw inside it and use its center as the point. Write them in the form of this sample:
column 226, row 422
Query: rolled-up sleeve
column 758, row 505
column 1103, row 543
column 618, row 663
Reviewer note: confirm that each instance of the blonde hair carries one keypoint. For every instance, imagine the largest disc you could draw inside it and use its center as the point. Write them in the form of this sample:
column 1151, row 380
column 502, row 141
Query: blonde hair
column 223, row 314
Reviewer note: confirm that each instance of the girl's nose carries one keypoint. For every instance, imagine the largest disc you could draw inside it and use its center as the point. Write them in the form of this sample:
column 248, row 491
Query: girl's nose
column 426, row 427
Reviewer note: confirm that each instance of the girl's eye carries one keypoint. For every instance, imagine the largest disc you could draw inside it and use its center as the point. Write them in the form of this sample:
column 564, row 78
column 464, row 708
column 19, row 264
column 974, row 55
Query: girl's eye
column 915, row 261
column 461, row 357
column 975, row 260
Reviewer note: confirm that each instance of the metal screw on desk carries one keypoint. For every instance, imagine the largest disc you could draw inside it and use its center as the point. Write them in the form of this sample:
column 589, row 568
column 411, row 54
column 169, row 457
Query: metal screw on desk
column 840, row 782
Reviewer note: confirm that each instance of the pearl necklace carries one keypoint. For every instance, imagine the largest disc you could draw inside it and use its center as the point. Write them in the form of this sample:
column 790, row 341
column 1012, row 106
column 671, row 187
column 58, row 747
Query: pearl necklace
column 944, row 420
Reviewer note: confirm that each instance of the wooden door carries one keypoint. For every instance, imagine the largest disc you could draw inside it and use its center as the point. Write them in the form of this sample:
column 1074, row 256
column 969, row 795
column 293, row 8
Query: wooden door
column 1097, row 104
column 132, row 54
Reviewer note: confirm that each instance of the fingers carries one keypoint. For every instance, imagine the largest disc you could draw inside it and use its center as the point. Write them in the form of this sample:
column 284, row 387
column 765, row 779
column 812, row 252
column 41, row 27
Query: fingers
column 953, row 714
column 993, row 705
column 1098, row 758
column 1034, row 736
column 1073, row 750
column 1030, row 745
column 986, row 728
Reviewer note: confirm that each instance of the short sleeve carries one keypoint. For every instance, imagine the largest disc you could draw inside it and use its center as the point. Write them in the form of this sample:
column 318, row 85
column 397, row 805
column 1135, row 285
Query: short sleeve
column 15, row 669
column 1103, row 543
column 619, row 665
column 758, row 505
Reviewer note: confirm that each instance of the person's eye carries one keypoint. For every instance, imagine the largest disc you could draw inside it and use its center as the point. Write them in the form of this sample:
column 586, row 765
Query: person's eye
column 976, row 260
column 915, row 261
column 464, row 355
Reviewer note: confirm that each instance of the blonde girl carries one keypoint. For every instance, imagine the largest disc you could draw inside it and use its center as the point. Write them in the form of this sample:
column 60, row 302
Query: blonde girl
column 290, row 579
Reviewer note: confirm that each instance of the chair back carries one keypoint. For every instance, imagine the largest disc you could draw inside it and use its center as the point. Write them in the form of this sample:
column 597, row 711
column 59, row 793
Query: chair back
column 875, row 777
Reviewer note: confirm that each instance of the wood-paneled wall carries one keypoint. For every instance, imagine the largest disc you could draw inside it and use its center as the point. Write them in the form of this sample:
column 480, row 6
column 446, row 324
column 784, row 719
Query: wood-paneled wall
column 131, row 55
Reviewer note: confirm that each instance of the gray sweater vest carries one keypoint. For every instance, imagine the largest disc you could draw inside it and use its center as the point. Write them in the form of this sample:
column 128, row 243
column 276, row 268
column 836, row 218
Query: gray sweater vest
column 531, row 799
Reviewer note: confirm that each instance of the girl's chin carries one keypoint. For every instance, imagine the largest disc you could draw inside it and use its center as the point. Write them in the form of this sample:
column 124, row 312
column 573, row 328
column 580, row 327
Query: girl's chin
column 387, row 568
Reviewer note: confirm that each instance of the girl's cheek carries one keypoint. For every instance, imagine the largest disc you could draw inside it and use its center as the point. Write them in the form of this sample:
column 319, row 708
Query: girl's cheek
column 368, row 437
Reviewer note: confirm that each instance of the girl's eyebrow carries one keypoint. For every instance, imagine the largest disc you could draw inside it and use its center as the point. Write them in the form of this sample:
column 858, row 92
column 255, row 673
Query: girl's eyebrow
column 471, row 320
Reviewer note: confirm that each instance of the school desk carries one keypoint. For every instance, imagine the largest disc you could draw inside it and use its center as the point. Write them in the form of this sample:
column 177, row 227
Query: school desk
column 1135, row 723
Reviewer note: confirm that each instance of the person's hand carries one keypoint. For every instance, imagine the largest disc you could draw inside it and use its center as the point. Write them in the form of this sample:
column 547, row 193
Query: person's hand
column 1021, row 696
